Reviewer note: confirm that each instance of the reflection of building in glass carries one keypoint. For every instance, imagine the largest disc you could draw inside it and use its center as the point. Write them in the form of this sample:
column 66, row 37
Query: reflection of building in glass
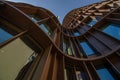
column 34, row 46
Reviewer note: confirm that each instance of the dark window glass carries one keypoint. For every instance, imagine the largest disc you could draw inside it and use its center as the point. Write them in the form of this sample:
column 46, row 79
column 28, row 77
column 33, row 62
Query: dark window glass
column 67, row 47
column 104, row 74
column 98, row 17
column 112, row 30
column 69, row 75
column 4, row 35
column 66, row 32
column 46, row 28
column 87, row 48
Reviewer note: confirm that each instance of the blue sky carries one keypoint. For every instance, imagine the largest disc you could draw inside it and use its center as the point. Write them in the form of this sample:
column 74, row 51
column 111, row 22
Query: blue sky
column 59, row 7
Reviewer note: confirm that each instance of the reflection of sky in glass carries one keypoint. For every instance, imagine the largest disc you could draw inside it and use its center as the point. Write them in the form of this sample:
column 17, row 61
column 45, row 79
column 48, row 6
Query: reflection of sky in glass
column 4, row 35
column 92, row 22
column 104, row 74
column 87, row 49
column 44, row 28
column 113, row 30
column 76, row 33
column 33, row 18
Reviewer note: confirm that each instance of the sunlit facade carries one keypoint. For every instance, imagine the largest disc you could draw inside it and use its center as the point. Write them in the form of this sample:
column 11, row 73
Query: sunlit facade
column 35, row 46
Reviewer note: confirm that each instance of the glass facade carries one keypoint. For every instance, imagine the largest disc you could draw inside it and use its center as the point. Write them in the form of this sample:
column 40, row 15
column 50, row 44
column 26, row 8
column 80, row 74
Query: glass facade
column 34, row 18
column 78, row 75
column 4, row 35
column 69, row 50
column 64, row 46
column 76, row 33
column 87, row 48
column 104, row 74
column 92, row 22
column 112, row 30
column 98, row 17
column 46, row 28
column 67, row 47
column 13, row 57
column 90, row 54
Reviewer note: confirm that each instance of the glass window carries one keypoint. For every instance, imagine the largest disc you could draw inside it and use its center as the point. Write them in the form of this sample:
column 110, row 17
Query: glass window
column 76, row 33
column 113, row 30
column 92, row 22
column 34, row 18
column 98, row 17
column 66, row 32
column 46, row 28
column 4, row 35
column 64, row 46
column 69, row 50
column 67, row 47
column 78, row 75
column 69, row 75
column 87, row 48
column 13, row 57
column 104, row 74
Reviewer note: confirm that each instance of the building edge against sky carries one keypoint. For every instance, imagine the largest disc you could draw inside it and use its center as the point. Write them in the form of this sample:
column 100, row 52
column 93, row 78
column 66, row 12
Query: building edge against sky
column 34, row 46
column 58, row 7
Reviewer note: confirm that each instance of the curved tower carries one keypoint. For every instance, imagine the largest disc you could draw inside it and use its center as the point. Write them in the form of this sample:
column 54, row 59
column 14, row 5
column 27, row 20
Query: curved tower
column 34, row 46
column 90, row 35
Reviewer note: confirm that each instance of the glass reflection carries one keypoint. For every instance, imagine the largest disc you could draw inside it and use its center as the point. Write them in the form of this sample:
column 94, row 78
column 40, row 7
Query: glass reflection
column 4, row 35
column 104, row 74
column 92, row 22
column 112, row 30
column 76, row 33
column 46, row 28
column 87, row 48
column 34, row 18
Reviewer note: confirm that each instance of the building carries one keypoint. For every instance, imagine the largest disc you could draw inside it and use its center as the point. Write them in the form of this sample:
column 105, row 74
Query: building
column 35, row 46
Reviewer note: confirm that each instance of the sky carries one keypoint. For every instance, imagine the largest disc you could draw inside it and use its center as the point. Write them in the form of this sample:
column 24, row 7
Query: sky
column 59, row 7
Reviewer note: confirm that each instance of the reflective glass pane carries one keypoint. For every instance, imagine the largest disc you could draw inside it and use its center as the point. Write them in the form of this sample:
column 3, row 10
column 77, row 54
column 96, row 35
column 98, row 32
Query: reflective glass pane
column 92, row 22
column 13, row 57
column 76, row 33
column 34, row 18
column 69, row 47
column 4, row 35
column 113, row 30
column 87, row 48
column 46, row 28
column 79, row 76
column 64, row 46
column 104, row 74
column 69, row 50
column 98, row 17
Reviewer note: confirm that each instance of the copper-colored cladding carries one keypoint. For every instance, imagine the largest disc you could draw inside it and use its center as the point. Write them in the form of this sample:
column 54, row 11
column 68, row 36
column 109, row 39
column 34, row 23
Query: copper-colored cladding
column 52, row 61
